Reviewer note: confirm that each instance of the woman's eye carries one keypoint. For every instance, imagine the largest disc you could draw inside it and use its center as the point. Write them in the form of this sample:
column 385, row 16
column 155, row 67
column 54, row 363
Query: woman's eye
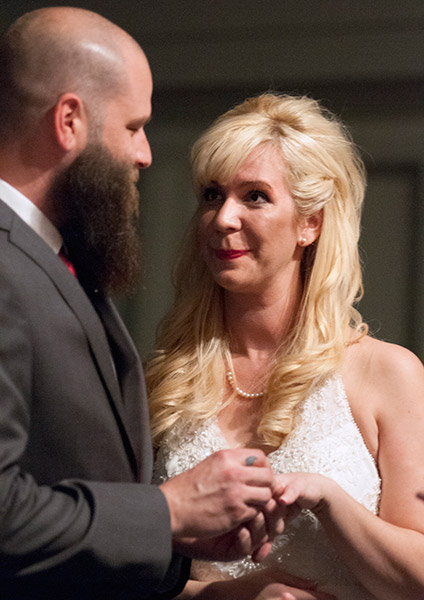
column 257, row 197
column 212, row 195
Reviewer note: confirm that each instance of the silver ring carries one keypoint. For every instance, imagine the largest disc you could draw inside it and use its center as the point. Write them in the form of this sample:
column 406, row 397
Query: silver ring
column 250, row 460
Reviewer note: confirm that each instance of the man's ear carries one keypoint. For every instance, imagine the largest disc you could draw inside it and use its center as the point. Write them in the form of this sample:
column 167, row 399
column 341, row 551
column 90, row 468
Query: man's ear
column 70, row 123
column 310, row 228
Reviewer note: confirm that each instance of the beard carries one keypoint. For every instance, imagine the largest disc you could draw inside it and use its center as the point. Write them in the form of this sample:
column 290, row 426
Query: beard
column 97, row 201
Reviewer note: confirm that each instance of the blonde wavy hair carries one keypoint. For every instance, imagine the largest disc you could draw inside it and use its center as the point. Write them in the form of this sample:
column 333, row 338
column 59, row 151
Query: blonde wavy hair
column 186, row 375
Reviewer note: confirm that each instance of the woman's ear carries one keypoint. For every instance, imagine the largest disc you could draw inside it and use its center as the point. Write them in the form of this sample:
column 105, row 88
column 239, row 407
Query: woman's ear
column 310, row 228
column 70, row 123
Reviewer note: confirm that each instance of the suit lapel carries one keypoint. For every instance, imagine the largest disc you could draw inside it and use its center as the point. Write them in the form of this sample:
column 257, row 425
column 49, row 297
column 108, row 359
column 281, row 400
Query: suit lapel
column 73, row 294
column 132, row 384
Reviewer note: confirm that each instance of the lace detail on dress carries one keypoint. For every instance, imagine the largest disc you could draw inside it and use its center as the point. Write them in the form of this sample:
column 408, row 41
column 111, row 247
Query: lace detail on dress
column 326, row 440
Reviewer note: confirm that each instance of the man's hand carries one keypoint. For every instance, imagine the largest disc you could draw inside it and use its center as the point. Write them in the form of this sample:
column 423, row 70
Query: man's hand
column 219, row 494
column 251, row 538
column 273, row 516
column 233, row 545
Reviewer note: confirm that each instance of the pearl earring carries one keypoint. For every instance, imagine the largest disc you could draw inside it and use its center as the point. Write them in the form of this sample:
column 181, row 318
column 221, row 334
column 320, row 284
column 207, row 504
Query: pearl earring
column 302, row 241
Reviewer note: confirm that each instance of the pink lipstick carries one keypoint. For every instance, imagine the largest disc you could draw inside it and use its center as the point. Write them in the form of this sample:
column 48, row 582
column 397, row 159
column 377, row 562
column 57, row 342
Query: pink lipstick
column 229, row 254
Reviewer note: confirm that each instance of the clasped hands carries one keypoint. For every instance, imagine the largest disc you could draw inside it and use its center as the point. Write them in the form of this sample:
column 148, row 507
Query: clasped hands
column 229, row 506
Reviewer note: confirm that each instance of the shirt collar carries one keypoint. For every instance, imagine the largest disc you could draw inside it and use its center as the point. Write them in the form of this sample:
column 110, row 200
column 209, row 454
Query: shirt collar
column 32, row 215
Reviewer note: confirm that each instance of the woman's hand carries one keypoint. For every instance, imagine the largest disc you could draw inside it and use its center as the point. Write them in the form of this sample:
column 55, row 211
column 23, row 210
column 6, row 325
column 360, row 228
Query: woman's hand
column 275, row 584
column 279, row 591
column 275, row 591
column 267, row 584
column 297, row 491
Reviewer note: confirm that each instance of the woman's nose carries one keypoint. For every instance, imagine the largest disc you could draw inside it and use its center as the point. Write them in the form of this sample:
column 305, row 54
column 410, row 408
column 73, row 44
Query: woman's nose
column 228, row 215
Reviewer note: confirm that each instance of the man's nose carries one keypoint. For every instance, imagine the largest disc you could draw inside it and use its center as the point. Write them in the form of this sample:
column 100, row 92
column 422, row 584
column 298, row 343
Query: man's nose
column 143, row 151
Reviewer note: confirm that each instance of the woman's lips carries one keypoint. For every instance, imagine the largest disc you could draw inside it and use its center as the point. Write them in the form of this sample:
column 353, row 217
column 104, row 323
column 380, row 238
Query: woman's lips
column 229, row 254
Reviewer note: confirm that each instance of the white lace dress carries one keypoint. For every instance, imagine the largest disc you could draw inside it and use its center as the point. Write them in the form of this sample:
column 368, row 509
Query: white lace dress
column 325, row 440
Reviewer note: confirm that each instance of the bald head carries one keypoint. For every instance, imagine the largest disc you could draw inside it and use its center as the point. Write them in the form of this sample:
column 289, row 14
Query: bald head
column 52, row 51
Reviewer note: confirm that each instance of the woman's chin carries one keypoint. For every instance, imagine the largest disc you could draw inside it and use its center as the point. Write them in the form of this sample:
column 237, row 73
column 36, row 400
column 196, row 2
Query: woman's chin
column 232, row 284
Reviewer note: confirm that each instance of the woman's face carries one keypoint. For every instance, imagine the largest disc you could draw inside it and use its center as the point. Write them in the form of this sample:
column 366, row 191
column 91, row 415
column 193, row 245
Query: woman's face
column 249, row 230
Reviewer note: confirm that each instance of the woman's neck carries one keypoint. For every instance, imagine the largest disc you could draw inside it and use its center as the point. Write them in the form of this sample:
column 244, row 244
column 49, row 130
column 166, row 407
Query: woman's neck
column 257, row 325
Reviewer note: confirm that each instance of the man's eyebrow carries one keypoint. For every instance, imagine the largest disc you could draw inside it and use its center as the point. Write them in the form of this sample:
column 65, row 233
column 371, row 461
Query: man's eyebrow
column 139, row 122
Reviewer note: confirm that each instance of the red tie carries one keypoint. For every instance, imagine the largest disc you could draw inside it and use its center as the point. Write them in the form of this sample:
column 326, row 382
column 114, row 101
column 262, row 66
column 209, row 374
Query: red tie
column 67, row 262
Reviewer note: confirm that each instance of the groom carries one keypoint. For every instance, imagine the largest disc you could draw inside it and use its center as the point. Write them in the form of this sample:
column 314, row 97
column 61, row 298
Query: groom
column 78, row 516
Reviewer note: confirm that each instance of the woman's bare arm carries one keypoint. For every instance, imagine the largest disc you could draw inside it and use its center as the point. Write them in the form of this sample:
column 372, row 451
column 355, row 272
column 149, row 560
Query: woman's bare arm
column 386, row 553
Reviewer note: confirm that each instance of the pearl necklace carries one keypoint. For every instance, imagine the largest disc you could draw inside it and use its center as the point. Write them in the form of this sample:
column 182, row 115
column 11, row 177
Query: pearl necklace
column 240, row 392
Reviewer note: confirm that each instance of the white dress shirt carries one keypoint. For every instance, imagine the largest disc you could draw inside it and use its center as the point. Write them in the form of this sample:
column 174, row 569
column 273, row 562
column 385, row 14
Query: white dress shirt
column 32, row 215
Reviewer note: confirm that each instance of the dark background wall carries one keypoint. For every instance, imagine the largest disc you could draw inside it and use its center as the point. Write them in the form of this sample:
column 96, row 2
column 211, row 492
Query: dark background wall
column 364, row 59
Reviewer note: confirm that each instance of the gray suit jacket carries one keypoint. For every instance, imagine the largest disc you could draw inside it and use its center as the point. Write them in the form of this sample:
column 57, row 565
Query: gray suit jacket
column 78, row 518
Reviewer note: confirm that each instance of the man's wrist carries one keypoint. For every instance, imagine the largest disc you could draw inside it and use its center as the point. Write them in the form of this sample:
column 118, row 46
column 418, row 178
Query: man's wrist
column 172, row 502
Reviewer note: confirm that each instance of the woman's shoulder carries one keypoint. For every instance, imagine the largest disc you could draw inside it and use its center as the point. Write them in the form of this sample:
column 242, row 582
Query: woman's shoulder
column 385, row 370
column 386, row 351
column 377, row 357
column 384, row 384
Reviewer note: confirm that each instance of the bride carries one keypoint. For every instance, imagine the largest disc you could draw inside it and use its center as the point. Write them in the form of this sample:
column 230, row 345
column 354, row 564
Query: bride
column 264, row 348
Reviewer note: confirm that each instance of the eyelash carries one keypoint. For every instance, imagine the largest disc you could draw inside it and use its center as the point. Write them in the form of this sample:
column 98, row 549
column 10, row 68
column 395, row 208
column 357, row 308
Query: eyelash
column 207, row 192
column 219, row 196
column 263, row 196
